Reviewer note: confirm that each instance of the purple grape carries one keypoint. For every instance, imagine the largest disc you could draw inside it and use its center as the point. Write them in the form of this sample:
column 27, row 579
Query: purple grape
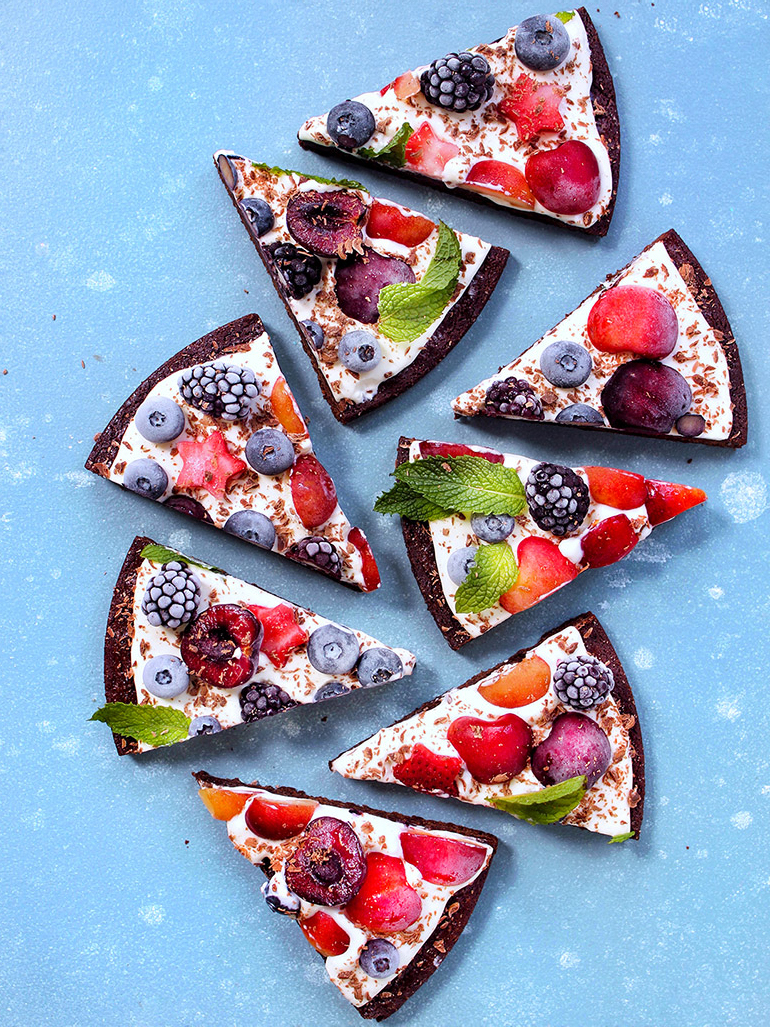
column 360, row 278
column 646, row 394
column 575, row 746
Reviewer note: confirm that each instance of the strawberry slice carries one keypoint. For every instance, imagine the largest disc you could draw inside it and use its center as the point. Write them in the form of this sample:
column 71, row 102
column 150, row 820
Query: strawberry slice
column 385, row 902
column 493, row 750
column 666, row 500
column 622, row 489
column 285, row 408
column 223, row 804
column 426, row 771
column 208, row 464
column 282, row 633
column 406, row 85
column 608, row 541
column 313, row 491
column 442, row 860
column 523, row 683
column 457, row 449
column 325, row 934
column 428, row 153
column 533, row 107
column 369, row 568
column 388, row 222
column 495, row 176
column 542, row 569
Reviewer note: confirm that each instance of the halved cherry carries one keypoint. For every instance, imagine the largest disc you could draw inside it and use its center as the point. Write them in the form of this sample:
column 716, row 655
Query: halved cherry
column 385, row 902
column 325, row 934
column 278, row 819
column 542, row 569
column 369, row 568
column 493, row 750
column 518, row 685
column 285, row 408
column 622, row 489
column 608, row 541
column 428, row 153
column 388, row 222
column 442, row 860
column 665, row 499
column 457, row 449
column 222, row 803
column 313, row 491
column 494, row 177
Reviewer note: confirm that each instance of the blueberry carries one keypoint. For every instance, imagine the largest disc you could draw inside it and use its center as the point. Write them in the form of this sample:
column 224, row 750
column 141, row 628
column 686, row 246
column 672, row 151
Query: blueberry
column 359, row 351
column 165, row 676
column 350, row 124
column 566, row 364
column 316, row 333
column 332, row 649
column 252, row 526
column 146, row 477
column 259, row 214
column 279, row 899
column 204, row 726
column 379, row 665
column 691, row 425
column 541, row 42
column 330, row 691
column 269, row 451
column 160, row 420
column 579, row 413
column 379, row 958
column 459, row 563
column 492, row 527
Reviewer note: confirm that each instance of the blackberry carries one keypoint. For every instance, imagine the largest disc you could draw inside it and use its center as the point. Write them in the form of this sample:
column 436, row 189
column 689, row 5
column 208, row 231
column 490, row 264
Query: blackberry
column 172, row 597
column 319, row 552
column 458, row 82
column 260, row 699
column 513, row 397
column 582, row 682
column 222, row 390
column 557, row 498
column 300, row 270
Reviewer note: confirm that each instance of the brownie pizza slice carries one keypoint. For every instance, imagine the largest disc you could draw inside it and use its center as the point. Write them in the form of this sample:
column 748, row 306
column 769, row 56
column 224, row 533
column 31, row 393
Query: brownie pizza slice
column 379, row 294
column 528, row 122
column 382, row 897
column 190, row 650
column 216, row 433
column 650, row 352
column 549, row 735
column 490, row 534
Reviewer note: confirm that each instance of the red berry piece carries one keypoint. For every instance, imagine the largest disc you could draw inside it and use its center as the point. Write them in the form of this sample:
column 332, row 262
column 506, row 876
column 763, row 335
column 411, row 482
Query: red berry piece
column 208, row 464
column 533, row 106
column 313, row 491
column 406, row 85
column 426, row 771
column 325, row 934
column 666, row 500
column 327, row 223
column 327, row 866
column 385, row 902
column 282, row 633
column 428, row 153
column 608, row 541
column 493, row 750
column 222, row 644
column 612, row 487
column 369, row 568
column 542, row 569
column 359, row 280
column 276, row 819
column 495, row 177
column 442, row 860
column 633, row 319
column 575, row 746
column 646, row 394
column 457, row 449
column 565, row 180
column 389, row 222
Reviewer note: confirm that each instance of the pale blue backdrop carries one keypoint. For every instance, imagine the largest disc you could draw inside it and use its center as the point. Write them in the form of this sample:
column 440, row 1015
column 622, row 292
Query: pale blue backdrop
column 122, row 901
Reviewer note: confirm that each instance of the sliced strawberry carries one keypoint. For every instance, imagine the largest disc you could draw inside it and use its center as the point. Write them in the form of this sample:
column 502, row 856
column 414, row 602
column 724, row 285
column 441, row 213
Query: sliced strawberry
column 426, row 771
column 533, row 107
column 313, row 491
column 223, row 804
column 622, row 489
column 542, row 569
column 282, row 632
column 457, row 449
column 285, row 408
column 384, row 902
column 208, row 464
column 325, row 934
column 276, row 820
column 428, row 153
column 388, row 222
column 493, row 750
column 442, row 860
column 518, row 685
column 608, row 541
column 369, row 568
column 495, row 176
column 406, row 85
column 666, row 499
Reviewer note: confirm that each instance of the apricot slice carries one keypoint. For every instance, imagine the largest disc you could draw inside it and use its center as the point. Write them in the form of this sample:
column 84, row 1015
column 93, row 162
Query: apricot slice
column 519, row 685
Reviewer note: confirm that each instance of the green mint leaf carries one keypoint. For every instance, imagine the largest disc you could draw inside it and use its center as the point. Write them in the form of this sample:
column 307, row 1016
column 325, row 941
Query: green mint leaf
column 493, row 571
column 403, row 501
column 618, row 838
column 444, row 267
column 154, row 725
column 465, row 484
column 565, row 16
column 393, row 152
column 345, row 183
column 547, row 805
column 161, row 554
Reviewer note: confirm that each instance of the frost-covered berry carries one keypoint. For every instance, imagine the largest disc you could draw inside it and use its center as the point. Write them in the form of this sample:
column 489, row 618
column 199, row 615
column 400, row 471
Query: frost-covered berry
column 582, row 682
column 172, row 596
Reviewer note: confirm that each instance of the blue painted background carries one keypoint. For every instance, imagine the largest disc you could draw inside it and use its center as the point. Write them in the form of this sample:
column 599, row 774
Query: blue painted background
column 122, row 901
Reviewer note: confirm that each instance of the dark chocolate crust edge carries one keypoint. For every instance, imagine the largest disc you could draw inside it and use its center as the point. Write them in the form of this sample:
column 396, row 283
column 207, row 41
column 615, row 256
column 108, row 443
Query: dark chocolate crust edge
column 598, row 644
column 451, row 330
column 450, row 926
column 607, row 122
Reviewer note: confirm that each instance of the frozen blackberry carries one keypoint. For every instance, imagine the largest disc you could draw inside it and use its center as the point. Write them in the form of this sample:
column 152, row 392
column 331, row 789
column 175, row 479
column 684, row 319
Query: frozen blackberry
column 300, row 270
column 557, row 498
column 582, row 682
column 222, row 390
column 319, row 552
column 458, row 82
column 260, row 699
column 513, row 397
column 172, row 597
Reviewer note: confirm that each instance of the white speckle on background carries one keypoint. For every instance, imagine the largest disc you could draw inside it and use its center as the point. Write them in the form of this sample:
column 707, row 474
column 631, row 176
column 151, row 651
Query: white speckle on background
column 716, row 592
column 80, row 479
column 290, row 727
column 180, row 539
column 744, row 493
column 644, row 659
column 729, row 708
column 666, row 200
column 70, row 745
column 667, row 108
column 651, row 550
column 100, row 281
column 154, row 84
column 702, row 854
column 315, row 973
column 741, row 820
column 766, row 789
column 152, row 915
column 569, row 960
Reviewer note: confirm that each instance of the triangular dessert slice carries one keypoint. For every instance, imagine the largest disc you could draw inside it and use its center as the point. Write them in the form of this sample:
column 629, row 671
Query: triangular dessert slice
column 523, row 735
column 190, row 650
column 528, row 122
column 650, row 352
column 216, row 433
column 379, row 294
column 382, row 897
column 490, row 534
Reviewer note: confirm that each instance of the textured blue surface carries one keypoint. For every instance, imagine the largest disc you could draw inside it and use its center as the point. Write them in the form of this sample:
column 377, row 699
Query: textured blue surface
column 123, row 902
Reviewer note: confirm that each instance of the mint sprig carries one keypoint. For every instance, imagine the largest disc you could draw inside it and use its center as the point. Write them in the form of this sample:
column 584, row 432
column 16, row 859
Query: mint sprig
column 154, row 725
column 494, row 570
column 161, row 554
column 408, row 310
column 565, row 16
column 618, row 838
column 465, row 484
column 393, row 152
column 345, row 183
column 547, row 805
column 403, row 501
